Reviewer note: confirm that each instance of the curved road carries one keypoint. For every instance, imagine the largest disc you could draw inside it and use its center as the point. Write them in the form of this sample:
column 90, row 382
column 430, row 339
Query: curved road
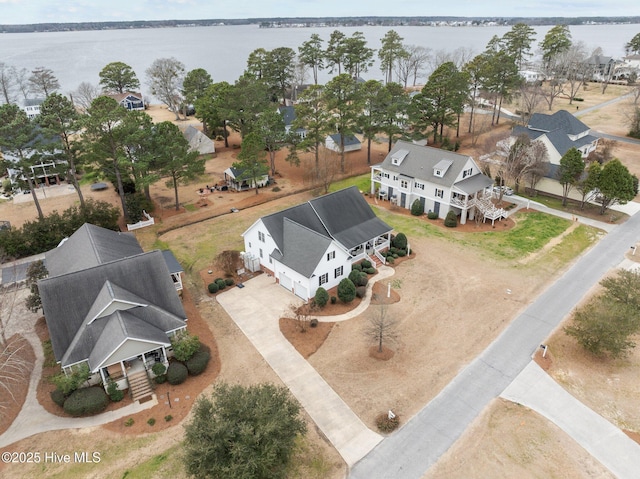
column 411, row 451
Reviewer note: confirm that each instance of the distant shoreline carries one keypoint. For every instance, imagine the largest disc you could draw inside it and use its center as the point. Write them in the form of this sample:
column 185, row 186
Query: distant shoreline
column 313, row 22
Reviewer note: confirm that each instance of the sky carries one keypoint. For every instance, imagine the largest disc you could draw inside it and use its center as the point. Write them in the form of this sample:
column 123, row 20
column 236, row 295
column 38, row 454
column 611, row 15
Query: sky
column 62, row 11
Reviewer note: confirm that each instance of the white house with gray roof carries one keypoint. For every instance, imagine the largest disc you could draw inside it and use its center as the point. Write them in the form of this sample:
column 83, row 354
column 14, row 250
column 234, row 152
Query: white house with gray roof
column 440, row 180
column 314, row 244
column 110, row 305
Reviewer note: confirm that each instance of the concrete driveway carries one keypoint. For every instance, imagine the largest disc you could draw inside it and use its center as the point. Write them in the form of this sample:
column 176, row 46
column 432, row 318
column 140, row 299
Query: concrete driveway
column 256, row 309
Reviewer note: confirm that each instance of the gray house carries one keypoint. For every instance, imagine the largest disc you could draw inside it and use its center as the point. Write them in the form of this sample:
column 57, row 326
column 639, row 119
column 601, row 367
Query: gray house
column 110, row 305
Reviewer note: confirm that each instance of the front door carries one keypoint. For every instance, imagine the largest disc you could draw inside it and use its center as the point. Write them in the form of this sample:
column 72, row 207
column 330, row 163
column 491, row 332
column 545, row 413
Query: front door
column 403, row 200
column 436, row 208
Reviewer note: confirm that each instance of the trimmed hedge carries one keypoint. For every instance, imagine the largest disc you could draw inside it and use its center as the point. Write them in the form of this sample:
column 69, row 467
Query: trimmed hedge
column 371, row 271
column 451, row 221
column 322, row 297
column 213, row 288
column 229, row 282
column 366, row 264
column 400, row 241
column 361, row 291
column 86, row 401
column 333, row 300
column 198, row 362
column 346, row 290
column 221, row 284
column 432, row 215
column 356, row 267
column 58, row 397
column 416, row 208
column 114, row 393
column 159, row 370
column 177, row 373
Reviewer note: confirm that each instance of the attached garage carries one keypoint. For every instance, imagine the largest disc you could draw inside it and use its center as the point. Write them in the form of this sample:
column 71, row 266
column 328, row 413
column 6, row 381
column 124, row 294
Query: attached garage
column 286, row 282
column 301, row 291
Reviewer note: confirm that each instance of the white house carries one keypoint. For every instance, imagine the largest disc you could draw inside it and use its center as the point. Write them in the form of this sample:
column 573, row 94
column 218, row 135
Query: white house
column 314, row 244
column 236, row 181
column 289, row 116
column 351, row 143
column 440, row 180
column 31, row 106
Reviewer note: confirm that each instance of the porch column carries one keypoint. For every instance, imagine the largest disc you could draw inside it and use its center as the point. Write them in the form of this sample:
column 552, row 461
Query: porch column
column 463, row 216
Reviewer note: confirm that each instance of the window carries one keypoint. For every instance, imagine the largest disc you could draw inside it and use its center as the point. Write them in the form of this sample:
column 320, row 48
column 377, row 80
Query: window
column 439, row 193
column 331, row 255
column 261, row 236
column 395, row 178
column 437, row 173
column 338, row 272
column 466, row 173
column 260, row 252
column 420, row 186
column 324, row 279
column 404, row 184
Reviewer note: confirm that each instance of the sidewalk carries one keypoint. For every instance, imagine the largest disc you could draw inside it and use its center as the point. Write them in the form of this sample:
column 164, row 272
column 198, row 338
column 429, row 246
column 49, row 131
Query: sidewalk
column 536, row 390
column 34, row 419
column 256, row 309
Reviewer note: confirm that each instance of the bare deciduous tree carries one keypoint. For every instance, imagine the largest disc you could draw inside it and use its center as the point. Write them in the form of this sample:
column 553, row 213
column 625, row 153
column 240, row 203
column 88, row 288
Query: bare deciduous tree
column 301, row 315
column 165, row 76
column 85, row 94
column 380, row 327
column 411, row 66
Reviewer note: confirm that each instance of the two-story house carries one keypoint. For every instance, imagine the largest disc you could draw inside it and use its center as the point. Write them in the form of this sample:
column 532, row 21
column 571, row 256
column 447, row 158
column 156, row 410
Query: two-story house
column 314, row 244
column 440, row 180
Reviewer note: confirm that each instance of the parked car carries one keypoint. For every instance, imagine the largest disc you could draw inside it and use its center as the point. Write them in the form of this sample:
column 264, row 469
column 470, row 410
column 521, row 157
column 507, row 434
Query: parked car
column 506, row 190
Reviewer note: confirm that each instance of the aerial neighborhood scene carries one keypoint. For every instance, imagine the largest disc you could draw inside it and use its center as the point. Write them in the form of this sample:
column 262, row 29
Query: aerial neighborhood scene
column 319, row 241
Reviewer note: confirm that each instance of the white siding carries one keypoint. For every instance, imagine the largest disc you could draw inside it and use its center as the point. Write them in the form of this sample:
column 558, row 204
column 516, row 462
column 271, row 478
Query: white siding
column 128, row 349
column 253, row 243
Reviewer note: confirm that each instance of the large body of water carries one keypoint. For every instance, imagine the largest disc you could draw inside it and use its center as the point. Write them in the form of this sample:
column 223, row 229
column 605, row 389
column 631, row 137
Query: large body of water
column 77, row 57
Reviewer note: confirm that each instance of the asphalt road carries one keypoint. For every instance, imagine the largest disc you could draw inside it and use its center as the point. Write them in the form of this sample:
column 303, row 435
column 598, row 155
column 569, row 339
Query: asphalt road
column 412, row 450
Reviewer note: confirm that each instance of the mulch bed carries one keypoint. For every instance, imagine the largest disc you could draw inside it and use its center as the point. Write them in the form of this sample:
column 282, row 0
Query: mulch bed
column 308, row 342
column 12, row 403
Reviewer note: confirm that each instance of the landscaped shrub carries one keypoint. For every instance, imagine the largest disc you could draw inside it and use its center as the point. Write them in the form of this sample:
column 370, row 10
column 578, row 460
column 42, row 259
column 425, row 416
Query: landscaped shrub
column 151, row 421
column 218, row 279
column 184, row 345
column 333, row 300
column 451, row 221
column 313, row 323
column 365, row 263
column 356, row 267
column 402, row 253
column 390, row 259
column 168, row 417
column 198, row 362
column 346, row 290
column 58, row 397
column 114, row 393
column 213, row 288
column 400, row 241
column 221, row 284
column 354, row 276
column 229, row 282
column 177, row 373
column 361, row 291
column 86, row 401
column 371, row 271
column 159, row 370
column 432, row 215
column 321, row 297
column 386, row 424
column 129, row 422
column 417, row 208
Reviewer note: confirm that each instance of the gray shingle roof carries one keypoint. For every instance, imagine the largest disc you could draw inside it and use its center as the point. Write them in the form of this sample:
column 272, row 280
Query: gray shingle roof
column 198, row 141
column 172, row 262
column 421, row 161
column 68, row 298
column 90, row 246
column 348, row 139
column 560, row 120
column 288, row 114
column 348, row 217
column 302, row 214
column 303, row 248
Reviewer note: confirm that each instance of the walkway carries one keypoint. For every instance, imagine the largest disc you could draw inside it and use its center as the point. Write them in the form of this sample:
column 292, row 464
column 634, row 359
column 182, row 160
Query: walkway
column 34, row 419
column 534, row 389
column 412, row 450
column 256, row 309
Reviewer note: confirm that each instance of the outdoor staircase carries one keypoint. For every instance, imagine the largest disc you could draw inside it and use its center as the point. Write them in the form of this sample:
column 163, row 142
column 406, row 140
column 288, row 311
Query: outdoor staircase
column 488, row 209
column 139, row 385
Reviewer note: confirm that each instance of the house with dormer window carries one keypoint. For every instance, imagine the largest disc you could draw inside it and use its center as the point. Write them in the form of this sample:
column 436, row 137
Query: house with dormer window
column 314, row 244
column 111, row 306
column 440, row 180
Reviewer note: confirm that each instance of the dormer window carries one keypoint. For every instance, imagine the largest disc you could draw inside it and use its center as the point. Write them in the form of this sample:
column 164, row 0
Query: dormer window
column 440, row 168
column 398, row 157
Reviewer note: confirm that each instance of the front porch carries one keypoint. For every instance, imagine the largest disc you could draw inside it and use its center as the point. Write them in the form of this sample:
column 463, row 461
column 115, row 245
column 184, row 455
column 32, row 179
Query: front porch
column 371, row 249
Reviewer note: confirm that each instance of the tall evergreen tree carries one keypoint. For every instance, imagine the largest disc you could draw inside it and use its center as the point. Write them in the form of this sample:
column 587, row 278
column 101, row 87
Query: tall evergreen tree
column 391, row 51
column 312, row 55
column 118, row 77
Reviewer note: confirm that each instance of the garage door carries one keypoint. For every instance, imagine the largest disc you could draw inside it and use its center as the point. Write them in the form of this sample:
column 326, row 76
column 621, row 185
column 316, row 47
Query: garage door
column 301, row 292
column 285, row 281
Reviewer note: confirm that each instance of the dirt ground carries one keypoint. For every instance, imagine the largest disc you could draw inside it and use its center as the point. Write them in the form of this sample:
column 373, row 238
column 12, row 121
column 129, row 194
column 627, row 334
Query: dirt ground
column 452, row 303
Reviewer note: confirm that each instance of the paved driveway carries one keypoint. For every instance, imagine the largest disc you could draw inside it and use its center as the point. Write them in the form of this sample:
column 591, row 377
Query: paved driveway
column 256, row 309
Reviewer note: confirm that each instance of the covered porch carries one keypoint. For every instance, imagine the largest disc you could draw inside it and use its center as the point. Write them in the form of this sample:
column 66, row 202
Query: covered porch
column 465, row 193
column 122, row 370
column 371, row 248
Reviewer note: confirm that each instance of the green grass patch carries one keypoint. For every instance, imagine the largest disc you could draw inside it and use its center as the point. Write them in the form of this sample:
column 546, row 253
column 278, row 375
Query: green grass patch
column 166, row 464
column 532, row 232
column 190, row 207
column 574, row 244
column 363, row 182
